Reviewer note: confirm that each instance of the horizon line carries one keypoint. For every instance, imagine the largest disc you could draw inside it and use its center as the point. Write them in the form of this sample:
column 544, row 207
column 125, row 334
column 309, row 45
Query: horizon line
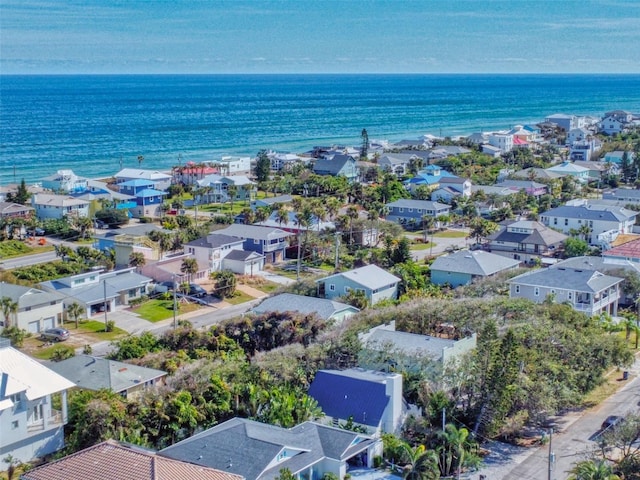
column 106, row 74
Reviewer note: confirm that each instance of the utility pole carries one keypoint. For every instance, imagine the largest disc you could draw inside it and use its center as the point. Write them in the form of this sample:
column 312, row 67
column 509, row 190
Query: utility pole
column 337, row 260
column 552, row 456
column 175, row 304
column 104, row 285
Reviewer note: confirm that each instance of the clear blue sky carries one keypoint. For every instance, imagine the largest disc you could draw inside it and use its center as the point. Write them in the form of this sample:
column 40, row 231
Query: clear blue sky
column 319, row 36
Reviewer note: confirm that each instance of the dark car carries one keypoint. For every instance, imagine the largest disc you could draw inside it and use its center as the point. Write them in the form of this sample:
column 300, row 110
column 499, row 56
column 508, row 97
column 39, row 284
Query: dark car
column 196, row 291
column 36, row 232
column 611, row 422
column 55, row 334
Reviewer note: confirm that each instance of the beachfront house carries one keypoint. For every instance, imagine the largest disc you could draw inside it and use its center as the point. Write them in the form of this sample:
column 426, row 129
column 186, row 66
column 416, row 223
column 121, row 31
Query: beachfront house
column 33, row 407
column 216, row 189
column 160, row 180
column 503, row 141
column 52, row 206
column 337, row 165
column 230, row 165
column 190, row 173
column 36, row 310
column 65, row 181
column 375, row 283
column 587, row 291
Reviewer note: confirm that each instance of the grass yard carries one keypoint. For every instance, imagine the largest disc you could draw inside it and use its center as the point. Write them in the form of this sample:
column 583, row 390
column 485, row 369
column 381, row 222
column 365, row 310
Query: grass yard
column 17, row 248
column 238, row 298
column 45, row 353
column 157, row 310
column 450, row 234
column 421, row 246
column 94, row 329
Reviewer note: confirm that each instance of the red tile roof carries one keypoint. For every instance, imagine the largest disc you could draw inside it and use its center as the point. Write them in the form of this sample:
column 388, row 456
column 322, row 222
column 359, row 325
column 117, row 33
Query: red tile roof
column 111, row 460
column 626, row 250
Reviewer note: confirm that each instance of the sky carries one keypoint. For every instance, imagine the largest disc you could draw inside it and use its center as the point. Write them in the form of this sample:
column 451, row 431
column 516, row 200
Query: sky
column 319, row 36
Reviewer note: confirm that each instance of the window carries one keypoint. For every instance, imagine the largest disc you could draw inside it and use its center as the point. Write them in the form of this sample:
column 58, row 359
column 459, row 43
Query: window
column 566, row 222
column 332, row 287
column 132, row 292
column 347, row 289
column 555, row 221
column 536, row 291
column 570, row 295
column 15, row 424
column 36, row 413
column 16, row 399
column 517, row 288
column 400, row 209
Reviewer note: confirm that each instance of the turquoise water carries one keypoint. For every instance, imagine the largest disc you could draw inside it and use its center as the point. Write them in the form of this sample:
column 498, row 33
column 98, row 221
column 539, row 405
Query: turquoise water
column 94, row 124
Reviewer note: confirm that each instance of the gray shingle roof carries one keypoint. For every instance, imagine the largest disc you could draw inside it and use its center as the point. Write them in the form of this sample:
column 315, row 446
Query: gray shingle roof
column 592, row 212
column 541, row 235
column 246, row 447
column 214, row 240
column 333, row 165
column 241, row 255
column 27, row 296
column 476, row 263
column 409, row 343
column 286, row 302
column 567, row 278
column 370, row 276
column 94, row 373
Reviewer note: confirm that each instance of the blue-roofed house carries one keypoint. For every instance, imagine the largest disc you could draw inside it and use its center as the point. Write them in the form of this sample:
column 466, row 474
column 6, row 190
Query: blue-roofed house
column 410, row 212
column 160, row 180
column 93, row 289
column 337, row 165
column 376, row 283
column 372, row 399
column 148, row 200
column 604, row 222
column 258, row 451
column 289, row 302
column 430, row 177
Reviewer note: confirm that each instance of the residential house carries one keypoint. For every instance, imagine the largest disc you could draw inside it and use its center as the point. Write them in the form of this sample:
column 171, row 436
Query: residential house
column 230, row 165
column 598, row 170
column 411, row 212
column 445, row 151
column 37, row 310
column 376, row 284
column 58, row 206
column 213, row 248
column 450, row 188
column 267, row 241
column 570, row 169
column 617, row 156
column 578, row 135
column 430, row 176
column 97, row 290
column 30, row 426
column 490, row 150
column 113, row 460
column 384, row 348
column 396, row 163
column 478, row 138
column 328, row 310
column 169, row 269
column 96, row 373
column 526, row 240
column 215, row 189
column 243, row 262
column 107, row 240
column 532, row 188
column 148, row 200
column 465, row 266
column 586, row 291
column 337, row 165
column 534, row 173
column 502, row 141
column 257, row 451
column 270, row 202
column 282, row 161
column 566, row 122
column 584, row 149
column 370, row 399
column 65, row 181
column 627, row 252
column 190, row 173
column 604, row 222
column 616, row 121
column 9, row 210
column 623, row 195
column 160, row 180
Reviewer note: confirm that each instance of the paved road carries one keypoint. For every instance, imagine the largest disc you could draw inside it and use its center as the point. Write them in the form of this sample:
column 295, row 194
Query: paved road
column 441, row 245
column 577, row 436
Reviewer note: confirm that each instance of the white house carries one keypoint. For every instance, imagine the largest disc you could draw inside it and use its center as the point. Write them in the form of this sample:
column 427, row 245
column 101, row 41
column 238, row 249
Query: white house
column 502, row 141
column 212, row 249
column 33, row 407
column 65, row 181
column 603, row 222
column 229, row 165
column 37, row 309
column 58, row 206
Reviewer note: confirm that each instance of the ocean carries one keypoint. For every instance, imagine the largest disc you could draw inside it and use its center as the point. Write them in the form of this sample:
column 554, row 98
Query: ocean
column 94, row 124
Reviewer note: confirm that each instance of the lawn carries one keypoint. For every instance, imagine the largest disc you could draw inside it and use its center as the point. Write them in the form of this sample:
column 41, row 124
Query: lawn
column 17, row 248
column 157, row 310
column 450, row 234
column 95, row 329
column 45, row 353
column 421, row 246
column 238, row 298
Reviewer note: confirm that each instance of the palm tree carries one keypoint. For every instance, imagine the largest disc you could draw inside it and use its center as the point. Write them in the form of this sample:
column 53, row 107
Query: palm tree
column 282, row 214
column 136, row 259
column 74, row 311
column 83, row 224
column 593, row 470
column 352, row 213
column 422, row 464
column 261, row 214
column 454, row 449
column 190, row 267
column 8, row 307
column 232, row 191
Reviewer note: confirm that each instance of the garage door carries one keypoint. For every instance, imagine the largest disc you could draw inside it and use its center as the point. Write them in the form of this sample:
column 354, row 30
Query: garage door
column 34, row 327
column 49, row 322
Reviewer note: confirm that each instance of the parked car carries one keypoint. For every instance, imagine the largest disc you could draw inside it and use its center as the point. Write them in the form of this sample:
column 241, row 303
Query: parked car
column 196, row 291
column 36, row 232
column 55, row 334
column 611, row 422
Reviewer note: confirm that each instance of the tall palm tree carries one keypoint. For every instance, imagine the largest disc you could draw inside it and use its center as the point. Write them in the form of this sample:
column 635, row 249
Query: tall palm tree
column 593, row 470
column 136, row 259
column 190, row 267
column 8, row 307
column 232, row 191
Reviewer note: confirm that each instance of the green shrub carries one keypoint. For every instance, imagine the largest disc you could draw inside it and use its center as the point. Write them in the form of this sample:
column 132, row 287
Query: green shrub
column 110, row 325
column 62, row 353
